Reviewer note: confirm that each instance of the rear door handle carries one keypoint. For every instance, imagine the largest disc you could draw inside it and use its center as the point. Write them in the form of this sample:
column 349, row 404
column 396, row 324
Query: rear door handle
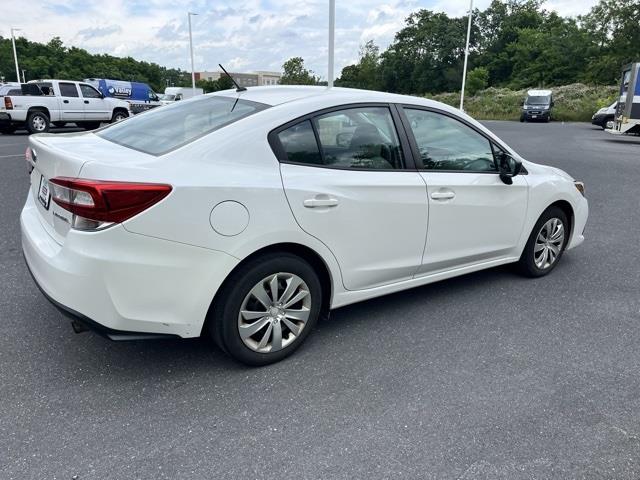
column 446, row 195
column 320, row 201
column 65, row 101
column 86, row 101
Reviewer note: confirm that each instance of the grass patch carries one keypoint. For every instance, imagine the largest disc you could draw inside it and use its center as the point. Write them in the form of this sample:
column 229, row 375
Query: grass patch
column 573, row 103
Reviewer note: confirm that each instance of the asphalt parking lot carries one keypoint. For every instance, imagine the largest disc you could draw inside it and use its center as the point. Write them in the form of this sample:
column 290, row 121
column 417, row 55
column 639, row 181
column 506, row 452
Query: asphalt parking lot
column 481, row 377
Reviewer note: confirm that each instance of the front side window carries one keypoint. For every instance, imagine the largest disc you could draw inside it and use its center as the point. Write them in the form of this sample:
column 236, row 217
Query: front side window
column 360, row 138
column 445, row 143
column 163, row 129
column 68, row 90
column 89, row 92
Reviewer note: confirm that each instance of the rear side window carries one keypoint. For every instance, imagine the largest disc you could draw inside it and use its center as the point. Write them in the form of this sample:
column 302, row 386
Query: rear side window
column 299, row 143
column 163, row 129
column 68, row 90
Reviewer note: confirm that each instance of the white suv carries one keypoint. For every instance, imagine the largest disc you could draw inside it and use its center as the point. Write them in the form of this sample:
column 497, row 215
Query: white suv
column 248, row 215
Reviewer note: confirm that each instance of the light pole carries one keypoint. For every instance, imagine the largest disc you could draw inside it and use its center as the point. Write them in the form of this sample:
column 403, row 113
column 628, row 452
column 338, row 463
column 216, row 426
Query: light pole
column 466, row 57
column 193, row 73
column 332, row 28
column 15, row 55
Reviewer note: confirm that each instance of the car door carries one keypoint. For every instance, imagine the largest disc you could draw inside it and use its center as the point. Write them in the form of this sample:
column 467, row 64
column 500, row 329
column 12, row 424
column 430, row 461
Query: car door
column 345, row 177
column 71, row 105
column 473, row 215
column 96, row 108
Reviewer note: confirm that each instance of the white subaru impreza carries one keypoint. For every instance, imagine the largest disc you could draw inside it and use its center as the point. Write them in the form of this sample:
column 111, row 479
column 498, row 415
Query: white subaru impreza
column 248, row 215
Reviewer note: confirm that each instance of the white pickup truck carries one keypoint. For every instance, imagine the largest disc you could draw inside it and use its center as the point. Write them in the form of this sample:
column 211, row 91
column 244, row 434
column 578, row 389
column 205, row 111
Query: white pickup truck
column 44, row 102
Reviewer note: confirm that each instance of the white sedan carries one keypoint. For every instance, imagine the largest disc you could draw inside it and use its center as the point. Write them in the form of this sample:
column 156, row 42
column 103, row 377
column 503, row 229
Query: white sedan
column 248, row 215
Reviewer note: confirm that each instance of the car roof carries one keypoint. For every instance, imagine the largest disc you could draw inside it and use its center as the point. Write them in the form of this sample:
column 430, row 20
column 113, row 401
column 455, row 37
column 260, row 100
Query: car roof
column 280, row 94
column 539, row 93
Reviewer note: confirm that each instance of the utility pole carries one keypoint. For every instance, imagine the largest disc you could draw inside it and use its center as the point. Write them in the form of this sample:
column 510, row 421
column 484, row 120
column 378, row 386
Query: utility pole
column 466, row 57
column 15, row 55
column 193, row 73
column 332, row 28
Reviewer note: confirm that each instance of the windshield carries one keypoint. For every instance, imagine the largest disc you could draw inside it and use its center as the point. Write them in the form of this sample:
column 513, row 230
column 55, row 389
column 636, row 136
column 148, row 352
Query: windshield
column 538, row 100
column 161, row 130
column 168, row 96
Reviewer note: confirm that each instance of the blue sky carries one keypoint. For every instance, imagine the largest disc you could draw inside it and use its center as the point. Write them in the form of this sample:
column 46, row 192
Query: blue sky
column 243, row 35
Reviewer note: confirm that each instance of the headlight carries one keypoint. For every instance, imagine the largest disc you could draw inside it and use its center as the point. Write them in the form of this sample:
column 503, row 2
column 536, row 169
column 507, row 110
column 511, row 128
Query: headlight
column 579, row 186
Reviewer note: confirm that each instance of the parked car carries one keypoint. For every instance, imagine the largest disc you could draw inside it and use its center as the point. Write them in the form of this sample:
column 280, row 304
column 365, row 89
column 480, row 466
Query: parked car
column 246, row 216
column 537, row 106
column 138, row 95
column 605, row 116
column 42, row 102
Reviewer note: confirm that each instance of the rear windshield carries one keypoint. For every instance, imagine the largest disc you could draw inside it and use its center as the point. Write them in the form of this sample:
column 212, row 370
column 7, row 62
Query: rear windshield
column 166, row 128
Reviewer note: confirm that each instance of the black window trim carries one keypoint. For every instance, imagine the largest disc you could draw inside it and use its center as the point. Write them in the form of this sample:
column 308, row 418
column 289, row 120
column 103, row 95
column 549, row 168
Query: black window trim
column 416, row 151
column 281, row 155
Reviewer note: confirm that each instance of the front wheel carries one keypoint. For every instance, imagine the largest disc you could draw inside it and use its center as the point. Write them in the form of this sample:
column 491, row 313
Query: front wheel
column 546, row 243
column 266, row 309
column 38, row 122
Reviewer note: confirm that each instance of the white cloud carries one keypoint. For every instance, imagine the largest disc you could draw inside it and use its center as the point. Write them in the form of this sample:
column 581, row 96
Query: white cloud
column 243, row 34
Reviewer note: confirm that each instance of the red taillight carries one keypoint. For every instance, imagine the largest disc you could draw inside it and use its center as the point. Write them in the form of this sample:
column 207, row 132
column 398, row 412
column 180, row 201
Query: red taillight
column 8, row 104
column 105, row 201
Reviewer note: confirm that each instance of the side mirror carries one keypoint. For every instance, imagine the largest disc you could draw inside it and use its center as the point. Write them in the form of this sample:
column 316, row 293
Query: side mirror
column 508, row 167
column 552, row 103
column 522, row 103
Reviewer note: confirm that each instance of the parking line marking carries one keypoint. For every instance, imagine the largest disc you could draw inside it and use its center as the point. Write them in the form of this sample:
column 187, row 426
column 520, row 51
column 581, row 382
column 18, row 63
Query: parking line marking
column 16, row 155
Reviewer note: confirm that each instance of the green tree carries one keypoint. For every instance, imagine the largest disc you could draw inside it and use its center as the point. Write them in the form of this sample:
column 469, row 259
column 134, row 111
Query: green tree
column 366, row 73
column 477, row 79
column 295, row 73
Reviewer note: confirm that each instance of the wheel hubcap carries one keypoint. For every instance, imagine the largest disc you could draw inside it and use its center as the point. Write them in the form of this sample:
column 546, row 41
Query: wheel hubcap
column 549, row 243
column 274, row 312
column 38, row 123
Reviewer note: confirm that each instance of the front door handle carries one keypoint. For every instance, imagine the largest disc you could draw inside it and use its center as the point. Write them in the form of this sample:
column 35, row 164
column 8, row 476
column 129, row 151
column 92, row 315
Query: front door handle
column 86, row 101
column 443, row 195
column 65, row 101
column 320, row 201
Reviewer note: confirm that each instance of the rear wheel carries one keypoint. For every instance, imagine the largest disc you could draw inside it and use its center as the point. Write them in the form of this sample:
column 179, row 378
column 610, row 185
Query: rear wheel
column 607, row 124
column 266, row 309
column 546, row 243
column 37, row 122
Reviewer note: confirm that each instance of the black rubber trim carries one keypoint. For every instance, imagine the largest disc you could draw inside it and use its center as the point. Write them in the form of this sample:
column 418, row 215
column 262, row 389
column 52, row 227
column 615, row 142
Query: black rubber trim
column 110, row 333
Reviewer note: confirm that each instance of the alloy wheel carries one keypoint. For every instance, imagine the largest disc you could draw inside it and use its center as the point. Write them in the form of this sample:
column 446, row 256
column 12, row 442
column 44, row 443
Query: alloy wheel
column 39, row 123
column 549, row 243
column 274, row 312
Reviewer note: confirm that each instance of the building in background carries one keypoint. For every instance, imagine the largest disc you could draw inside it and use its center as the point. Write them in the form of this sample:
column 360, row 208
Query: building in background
column 252, row 79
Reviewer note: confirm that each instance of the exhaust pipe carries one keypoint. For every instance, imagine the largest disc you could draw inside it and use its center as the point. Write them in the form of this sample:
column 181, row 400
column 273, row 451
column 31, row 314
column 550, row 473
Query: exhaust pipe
column 78, row 327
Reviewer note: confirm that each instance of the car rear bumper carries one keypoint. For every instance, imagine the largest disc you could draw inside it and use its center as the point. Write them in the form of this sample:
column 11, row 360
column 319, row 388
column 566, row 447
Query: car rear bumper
column 122, row 284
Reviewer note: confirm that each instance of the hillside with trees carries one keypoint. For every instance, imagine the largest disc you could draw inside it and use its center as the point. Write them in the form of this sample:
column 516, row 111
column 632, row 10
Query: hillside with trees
column 514, row 44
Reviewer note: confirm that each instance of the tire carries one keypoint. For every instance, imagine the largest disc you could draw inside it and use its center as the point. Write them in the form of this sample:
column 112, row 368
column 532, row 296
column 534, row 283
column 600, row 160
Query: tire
column 38, row 122
column 118, row 116
column 607, row 123
column 59, row 124
column 8, row 130
column 521, row 118
column 237, row 294
column 529, row 263
column 90, row 125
